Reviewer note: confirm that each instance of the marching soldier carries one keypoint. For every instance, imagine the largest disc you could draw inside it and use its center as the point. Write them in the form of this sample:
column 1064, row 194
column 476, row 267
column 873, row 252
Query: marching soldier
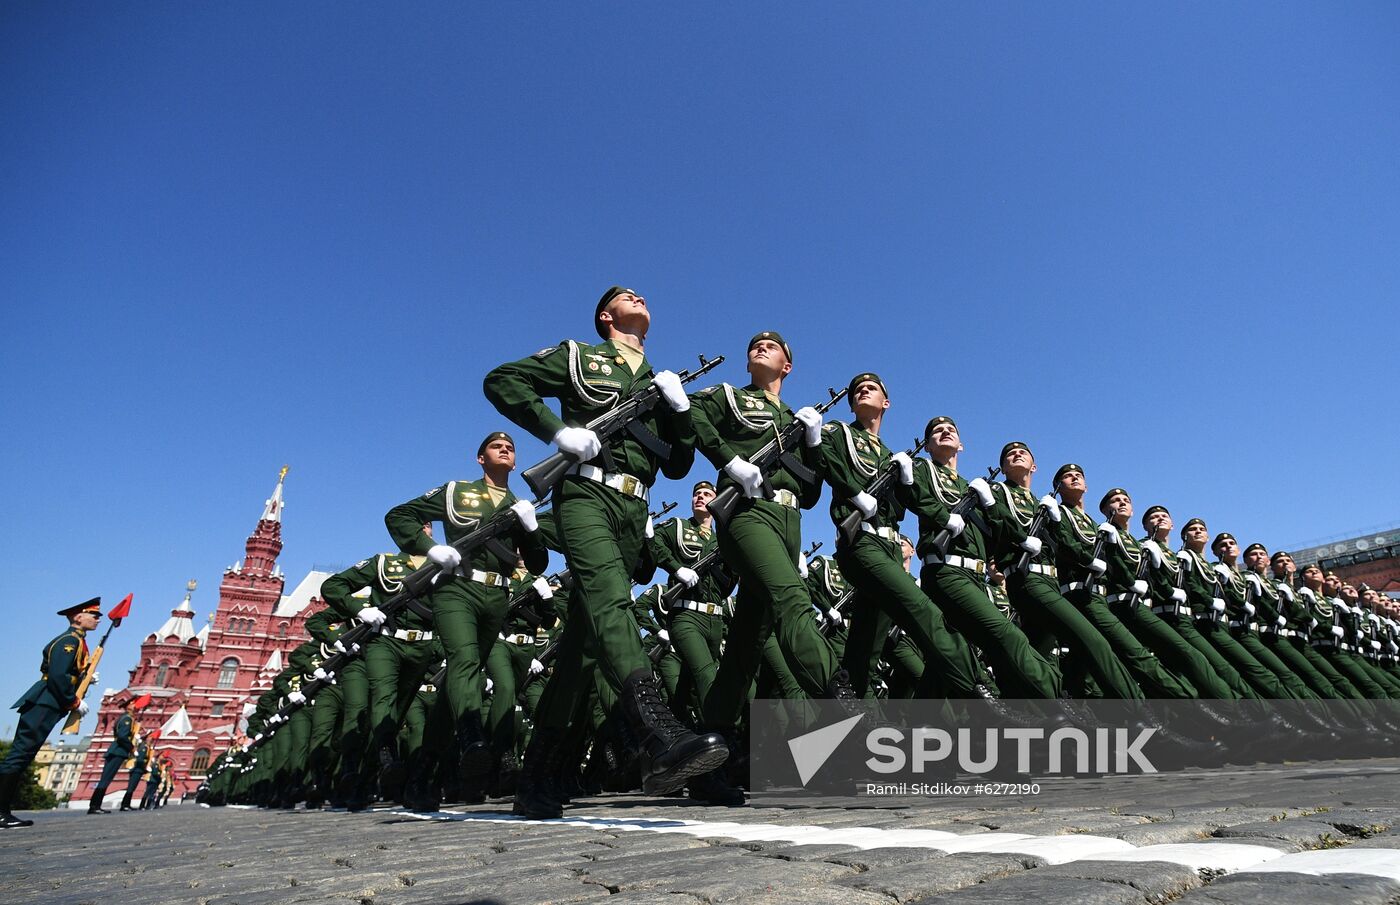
column 600, row 509
column 123, row 746
column 509, row 667
column 470, row 600
column 48, row 701
column 138, row 769
column 1328, row 635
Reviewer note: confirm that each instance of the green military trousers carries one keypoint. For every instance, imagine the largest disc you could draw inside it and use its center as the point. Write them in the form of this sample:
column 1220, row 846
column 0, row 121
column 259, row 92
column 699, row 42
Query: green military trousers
column 467, row 618
column 322, row 757
column 1264, row 672
column 395, row 669
column 1154, row 680
column 1020, row 670
column 1346, row 664
column 353, row 739
column 1101, row 646
column 1173, row 650
column 1247, row 677
column 761, row 543
column 1290, row 654
column 696, row 639
column 509, row 670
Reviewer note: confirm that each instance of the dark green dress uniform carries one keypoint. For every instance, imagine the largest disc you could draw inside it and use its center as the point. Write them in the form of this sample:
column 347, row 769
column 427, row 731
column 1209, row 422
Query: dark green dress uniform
column 522, row 637
column 661, row 650
column 761, row 543
column 322, row 751
column 396, row 658
column 696, row 623
column 1295, row 653
column 885, row 591
column 1123, row 558
column 1357, row 643
column 1171, row 604
column 831, row 593
column 468, row 607
column 957, row 583
column 425, row 738
column 1265, row 677
column 47, row 702
column 121, row 747
column 1343, row 653
column 137, row 772
column 601, row 515
column 1326, row 643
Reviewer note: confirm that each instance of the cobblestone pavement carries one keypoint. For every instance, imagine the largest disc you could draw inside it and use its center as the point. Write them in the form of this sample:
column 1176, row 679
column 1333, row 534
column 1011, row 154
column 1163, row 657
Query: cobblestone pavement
column 1200, row 839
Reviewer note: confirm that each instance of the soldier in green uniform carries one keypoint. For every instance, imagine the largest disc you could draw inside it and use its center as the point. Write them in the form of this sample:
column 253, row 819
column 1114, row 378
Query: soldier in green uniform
column 600, row 509
column 696, row 622
column 424, row 738
column 48, row 701
column 121, row 747
column 325, row 628
column 852, row 454
column 1363, row 648
column 137, row 772
column 1327, row 638
column 1292, row 644
column 511, row 662
column 153, row 781
column 469, row 602
column 1373, row 683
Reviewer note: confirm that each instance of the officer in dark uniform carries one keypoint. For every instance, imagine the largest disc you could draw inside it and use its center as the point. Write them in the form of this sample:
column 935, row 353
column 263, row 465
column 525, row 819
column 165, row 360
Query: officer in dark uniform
column 47, row 701
column 123, row 746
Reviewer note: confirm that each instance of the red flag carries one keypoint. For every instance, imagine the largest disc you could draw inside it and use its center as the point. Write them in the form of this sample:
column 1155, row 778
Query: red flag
column 142, row 701
column 155, row 734
column 121, row 610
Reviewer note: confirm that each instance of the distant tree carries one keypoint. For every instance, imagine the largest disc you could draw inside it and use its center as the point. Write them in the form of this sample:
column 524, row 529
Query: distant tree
column 32, row 796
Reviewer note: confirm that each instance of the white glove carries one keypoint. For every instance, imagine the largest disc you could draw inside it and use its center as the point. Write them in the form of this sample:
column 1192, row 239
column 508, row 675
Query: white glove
column 1110, row 531
column 686, row 576
column 866, row 503
column 1312, row 623
column 811, row 420
column 906, row 468
column 1338, row 631
column 542, row 588
column 1153, row 551
column 1217, row 604
column 82, row 708
column 1249, row 609
column 1031, row 545
column 536, row 667
column 1098, row 566
column 802, row 566
column 1375, row 645
column 579, row 442
column 526, row 513
column 296, row 697
column 1185, row 560
column 445, row 555
column 354, row 648
column 1140, row 588
column 1178, row 595
column 489, row 684
column 833, row 617
column 372, row 616
column 1281, row 622
column 1254, row 580
column 983, row 490
column 649, row 531
column 956, row 525
column 95, row 677
column 320, row 674
column 747, row 474
column 664, row 635
column 672, row 391
column 1052, row 507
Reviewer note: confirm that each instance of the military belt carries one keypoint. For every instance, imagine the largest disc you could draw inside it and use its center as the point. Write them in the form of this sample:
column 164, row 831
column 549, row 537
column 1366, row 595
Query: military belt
column 1114, row 598
column 699, row 606
column 1038, row 569
column 493, row 579
column 518, row 639
column 1079, row 585
column 1172, row 608
column 784, row 498
column 961, row 562
column 428, row 687
column 631, row 485
column 407, row 634
column 889, row 534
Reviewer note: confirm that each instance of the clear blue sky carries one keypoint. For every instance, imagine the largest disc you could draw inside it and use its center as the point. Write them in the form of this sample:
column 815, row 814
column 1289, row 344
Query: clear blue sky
column 1158, row 241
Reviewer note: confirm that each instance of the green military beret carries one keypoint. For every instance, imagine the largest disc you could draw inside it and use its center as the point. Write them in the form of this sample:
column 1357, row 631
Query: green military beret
column 1103, row 503
column 1068, row 468
column 1221, row 538
column 775, row 337
column 1014, row 444
column 1279, row 554
column 941, row 419
column 88, row 606
column 863, row 377
column 1189, row 523
column 702, row 485
column 1151, row 511
column 612, row 293
column 494, row 435
column 1252, row 547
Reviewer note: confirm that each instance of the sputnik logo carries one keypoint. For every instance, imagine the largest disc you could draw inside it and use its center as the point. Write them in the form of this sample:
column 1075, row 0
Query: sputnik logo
column 811, row 750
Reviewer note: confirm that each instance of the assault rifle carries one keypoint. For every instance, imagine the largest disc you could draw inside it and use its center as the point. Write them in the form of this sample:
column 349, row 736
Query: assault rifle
column 626, row 415
column 1042, row 513
column 774, row 453
column 965, row 504
column 879, row 486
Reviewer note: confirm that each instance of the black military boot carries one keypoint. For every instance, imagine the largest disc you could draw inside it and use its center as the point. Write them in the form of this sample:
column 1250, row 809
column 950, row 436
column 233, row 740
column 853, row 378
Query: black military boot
column 9, row 791
column 95, row 805
column 391, row 774
column 126, row 801
column 535, row 794
column 505, row 776
column 670, row 753
column 474, row 757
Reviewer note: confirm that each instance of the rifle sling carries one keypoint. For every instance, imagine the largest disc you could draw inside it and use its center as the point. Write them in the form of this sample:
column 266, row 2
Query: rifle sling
column 798, row 469
column 654, row 444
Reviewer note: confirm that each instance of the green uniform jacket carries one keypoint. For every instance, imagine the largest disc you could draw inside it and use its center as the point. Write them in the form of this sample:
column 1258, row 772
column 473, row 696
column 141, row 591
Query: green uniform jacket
column 1293, row 607
column 679, row 542
column 1201, row 583
column 143, row 753
column 1075, row 536
column 644, row 608
column 851, row 457
column 460, row 506
column 383, row 574
column 1010, row 518
column 1163, row 580
column 731, row 422
column 536, row 614
column 60, row 671
column 1122, row 559
column 121, row 737
column 1268, row 603
column 589, row 380
column 1235, row 590
column 936, row 489
column 1320, row 609
column 825, row 583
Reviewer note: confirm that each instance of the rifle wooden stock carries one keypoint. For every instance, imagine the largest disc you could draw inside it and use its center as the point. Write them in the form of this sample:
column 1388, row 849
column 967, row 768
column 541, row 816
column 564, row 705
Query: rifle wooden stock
column 542, row 476
column 767, row 460
column 74, row 720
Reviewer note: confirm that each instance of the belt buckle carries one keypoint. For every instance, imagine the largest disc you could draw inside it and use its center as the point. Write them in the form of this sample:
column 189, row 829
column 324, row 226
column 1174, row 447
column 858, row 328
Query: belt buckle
column 628, row 484
column 411, row 635
column 981, row 567
column 711, row 609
